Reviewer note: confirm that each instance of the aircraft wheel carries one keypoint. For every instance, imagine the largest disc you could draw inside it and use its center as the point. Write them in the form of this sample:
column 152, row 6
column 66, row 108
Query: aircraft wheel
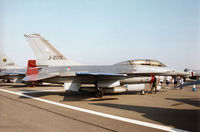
column 6, row 80
column 99, row 94
column 142, row 92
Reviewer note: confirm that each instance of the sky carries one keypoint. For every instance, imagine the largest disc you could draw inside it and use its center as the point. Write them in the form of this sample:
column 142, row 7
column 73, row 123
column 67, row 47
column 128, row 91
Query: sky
column 103, row 32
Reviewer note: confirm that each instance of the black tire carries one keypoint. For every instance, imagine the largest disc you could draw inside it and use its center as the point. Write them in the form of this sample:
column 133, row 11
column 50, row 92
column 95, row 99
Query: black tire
column 142, row 92
column 99, row 94
column 8, row 81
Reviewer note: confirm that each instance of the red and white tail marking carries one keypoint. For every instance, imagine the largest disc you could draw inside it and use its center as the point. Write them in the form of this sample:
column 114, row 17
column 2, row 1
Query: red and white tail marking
column 32, row 68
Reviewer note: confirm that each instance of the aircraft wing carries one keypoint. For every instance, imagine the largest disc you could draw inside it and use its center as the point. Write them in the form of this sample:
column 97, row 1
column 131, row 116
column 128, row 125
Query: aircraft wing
column 103, row 76
column 37, row 77
column 42, row 76
column 99, row 74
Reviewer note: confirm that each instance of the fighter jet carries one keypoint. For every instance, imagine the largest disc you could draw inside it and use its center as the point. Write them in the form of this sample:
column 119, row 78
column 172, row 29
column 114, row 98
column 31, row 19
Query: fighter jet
column 129, row 75
column 9, row 71
column 195, row 74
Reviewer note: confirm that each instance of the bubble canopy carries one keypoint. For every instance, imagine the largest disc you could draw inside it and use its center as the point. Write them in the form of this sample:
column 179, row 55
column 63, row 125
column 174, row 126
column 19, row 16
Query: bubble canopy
column 148, row 62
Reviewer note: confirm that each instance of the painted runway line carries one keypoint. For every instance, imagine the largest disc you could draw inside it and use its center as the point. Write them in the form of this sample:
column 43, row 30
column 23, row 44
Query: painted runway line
column 137, row 122
column 40, row 91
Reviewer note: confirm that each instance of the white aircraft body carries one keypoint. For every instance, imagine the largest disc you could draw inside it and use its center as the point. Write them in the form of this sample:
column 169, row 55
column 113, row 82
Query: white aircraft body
column 129, row 75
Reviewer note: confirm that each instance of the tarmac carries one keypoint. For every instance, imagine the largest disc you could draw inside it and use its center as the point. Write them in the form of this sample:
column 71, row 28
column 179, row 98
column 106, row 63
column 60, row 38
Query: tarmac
column 48, row 108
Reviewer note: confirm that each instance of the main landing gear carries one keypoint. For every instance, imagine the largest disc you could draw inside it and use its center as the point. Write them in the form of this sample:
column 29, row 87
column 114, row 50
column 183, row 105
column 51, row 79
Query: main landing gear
column 99, row 93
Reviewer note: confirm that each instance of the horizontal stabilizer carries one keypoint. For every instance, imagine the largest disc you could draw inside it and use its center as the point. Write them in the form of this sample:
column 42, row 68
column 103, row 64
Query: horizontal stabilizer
column 14, row 73
column 37, row 77
column 8, row 72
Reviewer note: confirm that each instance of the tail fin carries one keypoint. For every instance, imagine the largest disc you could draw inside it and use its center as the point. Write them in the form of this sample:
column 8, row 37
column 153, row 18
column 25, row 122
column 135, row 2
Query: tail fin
column 7, row 63
column 45, row 53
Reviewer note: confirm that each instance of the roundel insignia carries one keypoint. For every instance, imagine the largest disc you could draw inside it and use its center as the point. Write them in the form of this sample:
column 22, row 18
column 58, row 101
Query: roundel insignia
column 67, row 68
column 4, row 59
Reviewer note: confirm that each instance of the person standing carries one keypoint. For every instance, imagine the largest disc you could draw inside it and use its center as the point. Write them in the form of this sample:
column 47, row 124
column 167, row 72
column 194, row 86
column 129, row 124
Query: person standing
column 167, row 82
column 181, row 83
column 161, row 80
column 175, row 81
column 154, row 85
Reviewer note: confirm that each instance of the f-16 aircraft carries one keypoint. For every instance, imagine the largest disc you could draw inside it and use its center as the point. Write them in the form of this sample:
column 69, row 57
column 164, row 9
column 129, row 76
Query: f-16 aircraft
column 9, row 70
column 129, row 75
column 195, row 74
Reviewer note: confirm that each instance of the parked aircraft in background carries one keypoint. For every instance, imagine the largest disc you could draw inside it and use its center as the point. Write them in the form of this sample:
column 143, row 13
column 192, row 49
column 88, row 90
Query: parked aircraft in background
column 121, row 77
column 195, row 74
column 9, row 71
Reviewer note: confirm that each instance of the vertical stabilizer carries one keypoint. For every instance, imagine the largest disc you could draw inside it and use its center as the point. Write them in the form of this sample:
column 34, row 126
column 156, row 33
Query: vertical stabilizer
column 7, row 63
column 46, row 54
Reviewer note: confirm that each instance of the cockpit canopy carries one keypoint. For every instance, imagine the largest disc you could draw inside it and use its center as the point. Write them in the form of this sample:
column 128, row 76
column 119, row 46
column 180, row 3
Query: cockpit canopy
column 149, row 62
